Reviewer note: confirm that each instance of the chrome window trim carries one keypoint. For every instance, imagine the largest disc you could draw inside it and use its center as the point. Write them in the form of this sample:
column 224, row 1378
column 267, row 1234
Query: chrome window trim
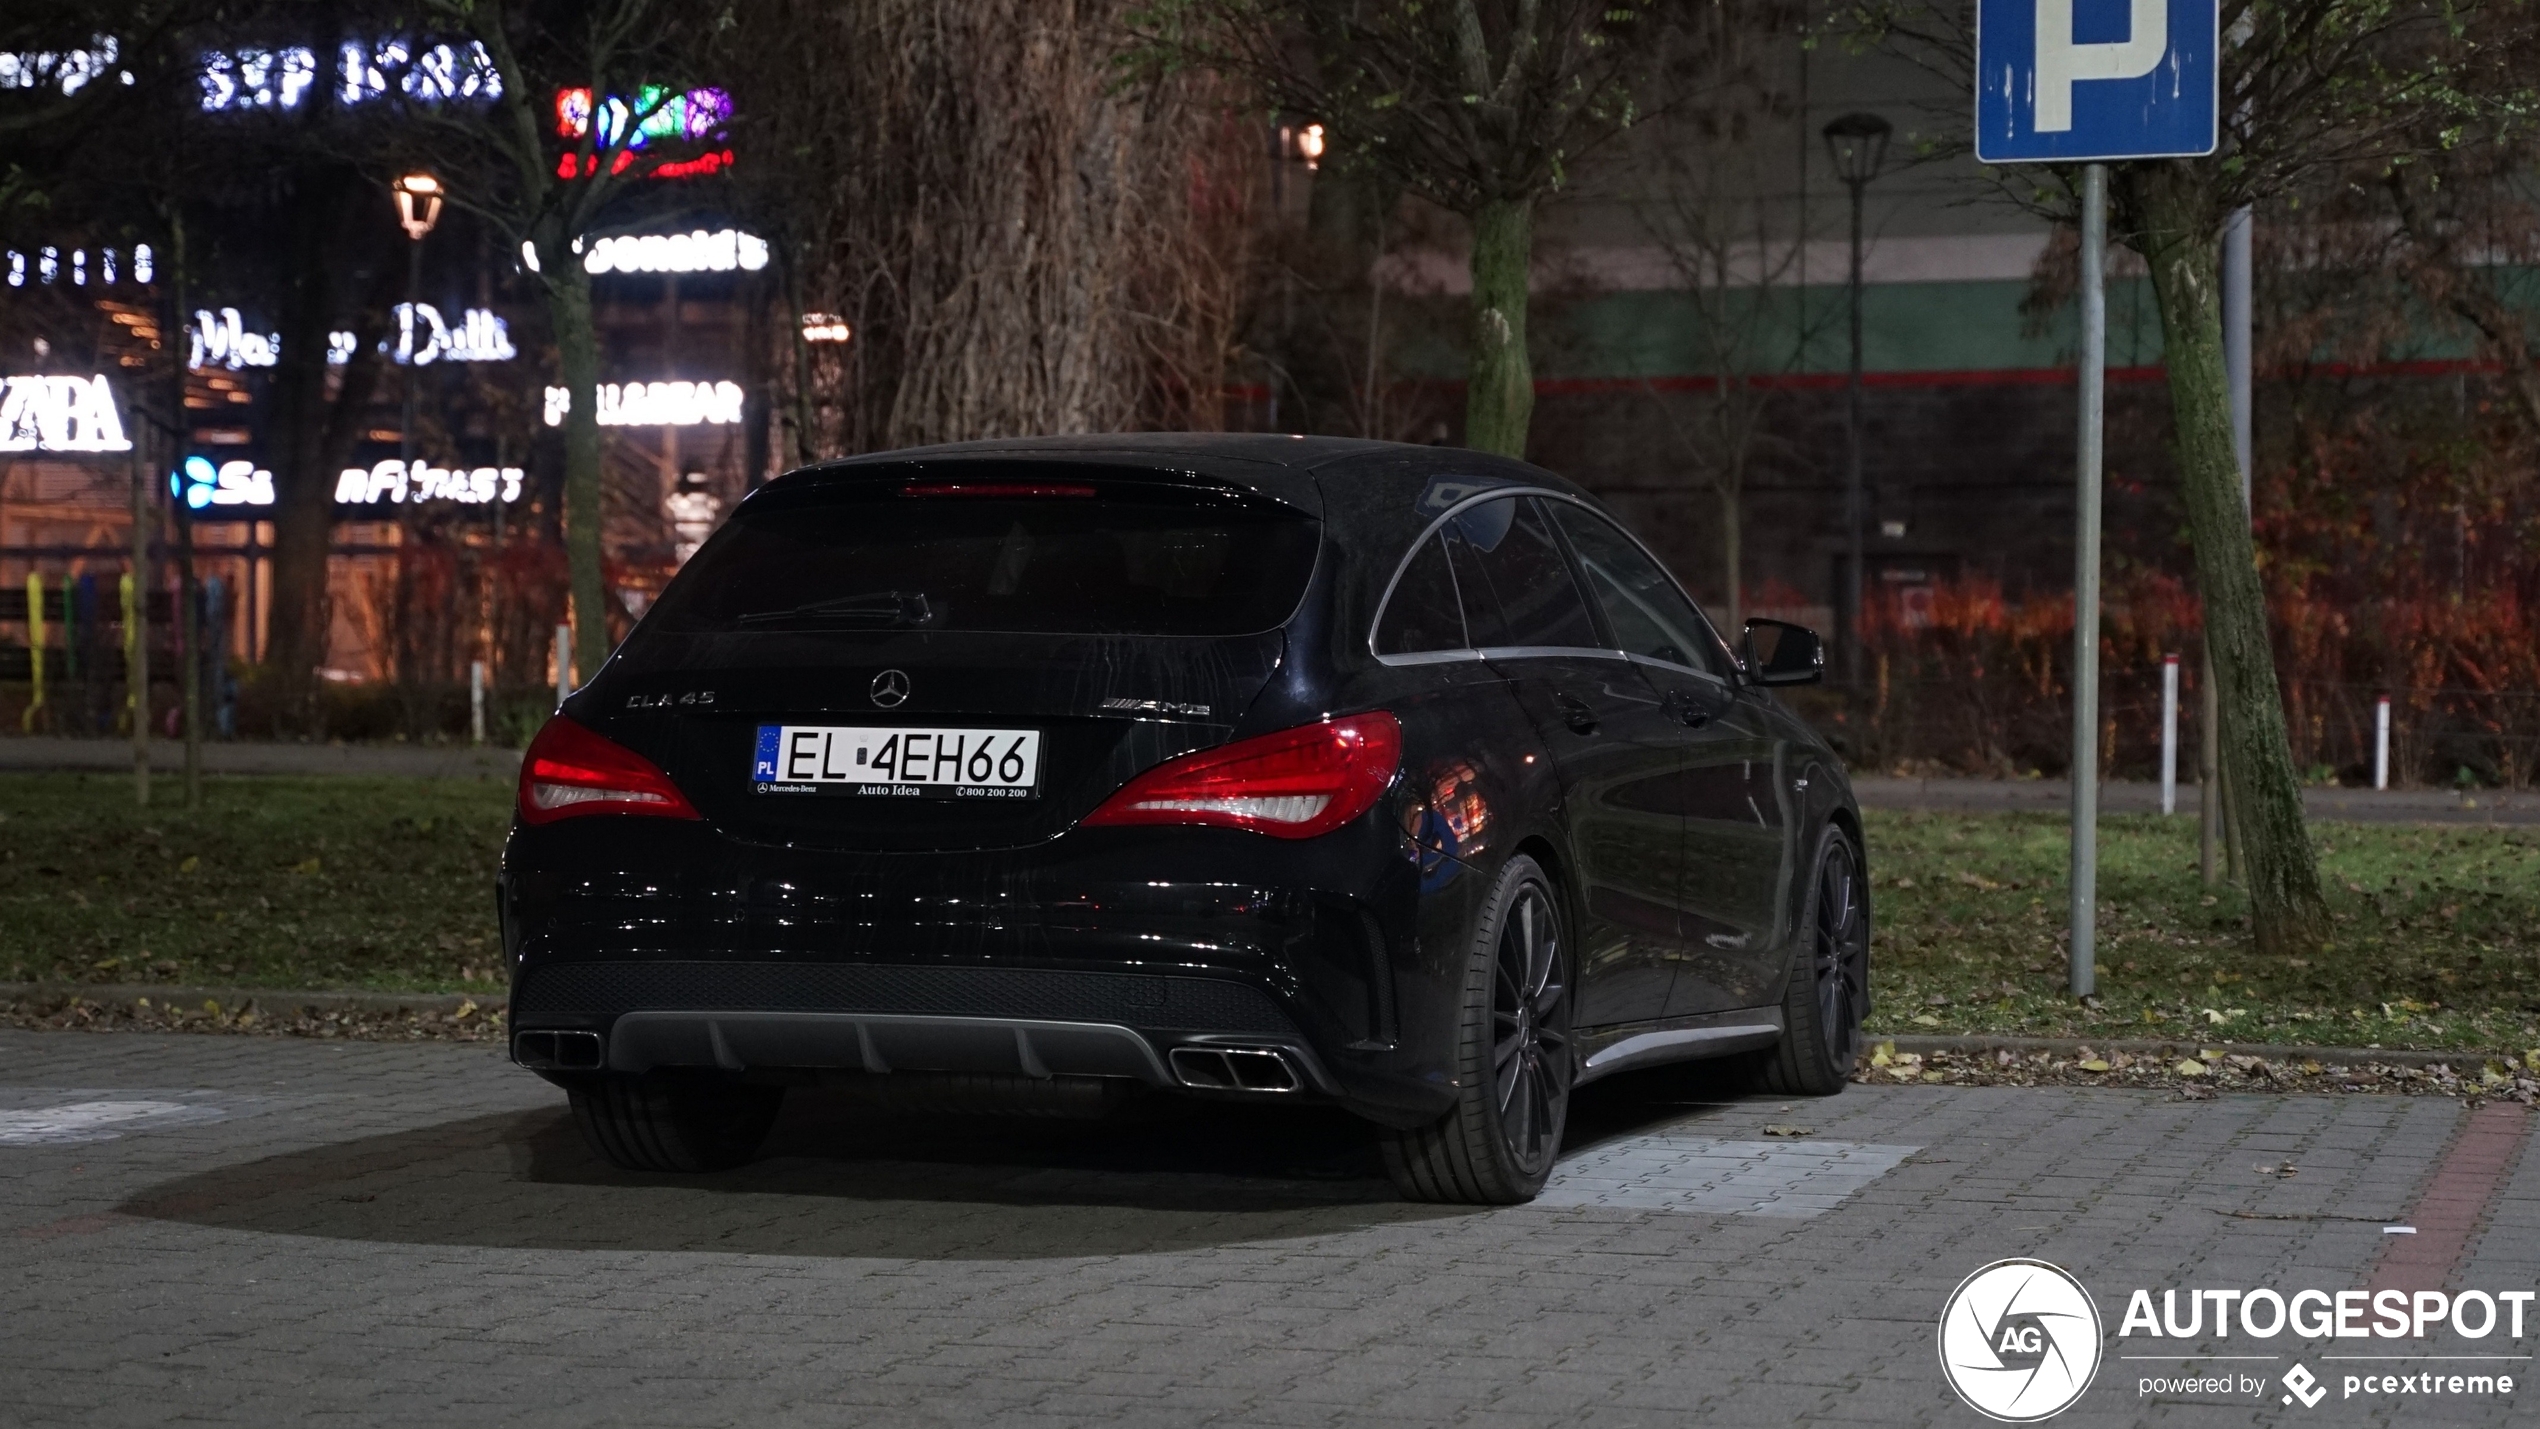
column 1526, row 652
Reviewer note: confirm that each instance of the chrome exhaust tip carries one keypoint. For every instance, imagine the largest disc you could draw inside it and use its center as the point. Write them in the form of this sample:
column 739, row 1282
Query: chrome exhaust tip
column 1235, row 1069
column 558, row 1051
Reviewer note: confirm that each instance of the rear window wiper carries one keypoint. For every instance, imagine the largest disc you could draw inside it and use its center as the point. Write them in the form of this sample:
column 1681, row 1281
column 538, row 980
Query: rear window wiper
column 881, row 608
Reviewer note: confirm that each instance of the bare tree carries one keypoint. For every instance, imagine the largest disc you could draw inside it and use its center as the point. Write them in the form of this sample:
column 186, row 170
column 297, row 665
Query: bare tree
column 1017, row 243
column 1483, row 107
column 2310, row 89
column 1734, row 265
column 550, row 181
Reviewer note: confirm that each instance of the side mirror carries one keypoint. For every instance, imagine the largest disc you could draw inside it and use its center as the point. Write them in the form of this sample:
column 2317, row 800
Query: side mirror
column 1776, row 652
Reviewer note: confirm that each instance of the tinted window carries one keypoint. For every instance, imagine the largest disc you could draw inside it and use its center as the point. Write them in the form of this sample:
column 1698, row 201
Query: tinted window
column 1648, row 614
column 1422, row 613
column 1056, row 557
column 1516, row 584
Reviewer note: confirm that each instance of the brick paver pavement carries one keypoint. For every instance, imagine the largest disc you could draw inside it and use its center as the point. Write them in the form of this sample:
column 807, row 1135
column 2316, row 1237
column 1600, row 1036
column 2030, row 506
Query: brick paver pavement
column 251, row 1230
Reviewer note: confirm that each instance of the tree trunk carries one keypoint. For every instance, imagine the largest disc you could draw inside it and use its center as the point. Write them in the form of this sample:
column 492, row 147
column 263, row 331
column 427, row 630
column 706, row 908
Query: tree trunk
column 1499, row 395
column 314, row 436
column 2264, row 797
column 578, row 349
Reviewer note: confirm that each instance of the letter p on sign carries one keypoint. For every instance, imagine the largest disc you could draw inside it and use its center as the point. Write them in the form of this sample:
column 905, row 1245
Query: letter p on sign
column 2072, row 81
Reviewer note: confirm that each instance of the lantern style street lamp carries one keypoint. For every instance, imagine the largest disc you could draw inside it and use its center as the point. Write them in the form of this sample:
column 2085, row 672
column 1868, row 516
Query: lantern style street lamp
column 418, row 208
column 1857, row 142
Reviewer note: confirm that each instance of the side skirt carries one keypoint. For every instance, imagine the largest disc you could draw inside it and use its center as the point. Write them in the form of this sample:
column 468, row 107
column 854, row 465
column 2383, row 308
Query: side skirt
column 1620, row 1048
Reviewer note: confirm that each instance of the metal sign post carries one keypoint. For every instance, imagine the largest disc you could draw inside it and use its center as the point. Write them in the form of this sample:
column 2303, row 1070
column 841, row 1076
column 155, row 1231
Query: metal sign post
column 2091, row 448
column 2047, row 92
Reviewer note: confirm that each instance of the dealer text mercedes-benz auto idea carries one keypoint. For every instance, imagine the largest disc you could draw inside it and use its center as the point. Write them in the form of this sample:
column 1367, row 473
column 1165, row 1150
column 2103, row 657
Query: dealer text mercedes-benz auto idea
column 1049, row 775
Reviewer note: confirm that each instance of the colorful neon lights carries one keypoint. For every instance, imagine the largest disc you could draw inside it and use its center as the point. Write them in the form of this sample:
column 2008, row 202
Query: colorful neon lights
column 60, row 414
column 656, row 404
column 698, row 252
column 694, row 115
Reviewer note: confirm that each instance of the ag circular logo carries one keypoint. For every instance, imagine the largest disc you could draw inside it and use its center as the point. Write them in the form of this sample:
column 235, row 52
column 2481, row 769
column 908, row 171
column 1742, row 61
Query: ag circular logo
column 889, row 688
column 2019, row 1341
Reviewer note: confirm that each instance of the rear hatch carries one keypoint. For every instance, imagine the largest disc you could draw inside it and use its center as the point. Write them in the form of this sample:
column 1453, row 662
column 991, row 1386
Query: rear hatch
column 959, row 657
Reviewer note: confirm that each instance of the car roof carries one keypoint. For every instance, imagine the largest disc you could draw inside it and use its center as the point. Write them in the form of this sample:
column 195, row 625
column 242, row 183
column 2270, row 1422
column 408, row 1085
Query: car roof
column 1300, row 470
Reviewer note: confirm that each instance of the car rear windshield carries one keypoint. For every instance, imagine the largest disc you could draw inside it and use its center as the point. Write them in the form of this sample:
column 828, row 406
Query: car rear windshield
column 1055, row 554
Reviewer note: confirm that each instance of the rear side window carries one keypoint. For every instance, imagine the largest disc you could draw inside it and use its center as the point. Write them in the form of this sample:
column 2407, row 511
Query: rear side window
column 1422, row 613
column 1516, row 584
column 1062, row 555
column 1649, row 615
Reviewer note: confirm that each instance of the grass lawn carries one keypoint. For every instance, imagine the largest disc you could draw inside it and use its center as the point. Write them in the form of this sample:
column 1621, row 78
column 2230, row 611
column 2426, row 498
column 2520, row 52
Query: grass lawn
column 387, row 884
column 2436, row 943
column 384, row 884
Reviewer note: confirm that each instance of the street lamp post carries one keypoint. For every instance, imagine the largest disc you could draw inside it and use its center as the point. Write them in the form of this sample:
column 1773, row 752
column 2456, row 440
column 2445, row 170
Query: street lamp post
column 418, row 208
column 1857, row 142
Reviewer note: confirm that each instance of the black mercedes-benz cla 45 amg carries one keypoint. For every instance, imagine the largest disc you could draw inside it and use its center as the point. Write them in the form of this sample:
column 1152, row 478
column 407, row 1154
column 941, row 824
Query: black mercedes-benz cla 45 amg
column 1049, row 774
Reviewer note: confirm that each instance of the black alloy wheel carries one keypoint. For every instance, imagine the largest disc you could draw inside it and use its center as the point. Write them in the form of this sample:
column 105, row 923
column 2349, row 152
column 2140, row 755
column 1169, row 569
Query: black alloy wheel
column 1515, row 1059
column 1829, row 991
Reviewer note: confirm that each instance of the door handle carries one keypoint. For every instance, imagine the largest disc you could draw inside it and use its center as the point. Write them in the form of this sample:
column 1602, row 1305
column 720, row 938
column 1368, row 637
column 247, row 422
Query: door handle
column 1687, row 711
column 1575, row 713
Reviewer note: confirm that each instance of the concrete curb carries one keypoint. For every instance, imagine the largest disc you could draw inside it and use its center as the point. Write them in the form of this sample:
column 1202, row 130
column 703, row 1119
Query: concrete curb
column 2175, row 1047
column 267, row 998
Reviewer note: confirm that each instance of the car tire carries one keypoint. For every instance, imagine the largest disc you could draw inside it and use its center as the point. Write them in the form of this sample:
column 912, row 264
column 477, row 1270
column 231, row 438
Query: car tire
column 1828, row 992
column 1515, row 1059
column 669, row 1122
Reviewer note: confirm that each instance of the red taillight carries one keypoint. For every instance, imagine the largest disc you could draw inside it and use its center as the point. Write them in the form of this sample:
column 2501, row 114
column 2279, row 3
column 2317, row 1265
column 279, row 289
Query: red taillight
column 1292, row 785
column 569, row 771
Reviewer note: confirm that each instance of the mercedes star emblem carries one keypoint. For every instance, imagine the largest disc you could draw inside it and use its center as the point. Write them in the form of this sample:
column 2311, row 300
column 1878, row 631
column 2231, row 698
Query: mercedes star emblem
column 890, row 688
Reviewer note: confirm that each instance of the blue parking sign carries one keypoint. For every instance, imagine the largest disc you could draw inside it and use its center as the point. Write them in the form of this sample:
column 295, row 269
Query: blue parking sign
column 2073, row 81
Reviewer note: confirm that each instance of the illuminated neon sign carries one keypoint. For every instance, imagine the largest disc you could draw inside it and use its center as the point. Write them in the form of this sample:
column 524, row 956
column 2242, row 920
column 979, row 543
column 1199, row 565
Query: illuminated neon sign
column 695, row 116
column 698, row 252
column 202, row 485
column 49, row 266
column 232, row 483
column 68, row 69
column 278, row 79
column 222, row 340
column 419, row 481
column 656, row 404
column 59, row 414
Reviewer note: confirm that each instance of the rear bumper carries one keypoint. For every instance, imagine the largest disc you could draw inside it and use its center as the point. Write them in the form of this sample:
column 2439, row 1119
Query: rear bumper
column 1031, row 1022
column 1097, row 956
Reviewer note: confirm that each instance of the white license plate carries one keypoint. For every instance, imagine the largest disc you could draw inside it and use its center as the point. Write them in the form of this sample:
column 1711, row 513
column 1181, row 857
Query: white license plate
column 897, row 763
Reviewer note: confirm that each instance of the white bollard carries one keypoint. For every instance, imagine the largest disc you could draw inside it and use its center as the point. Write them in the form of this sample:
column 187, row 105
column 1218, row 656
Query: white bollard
column 2169, row 734
column 564, row 663
column 2381, row 744
column 476, row 702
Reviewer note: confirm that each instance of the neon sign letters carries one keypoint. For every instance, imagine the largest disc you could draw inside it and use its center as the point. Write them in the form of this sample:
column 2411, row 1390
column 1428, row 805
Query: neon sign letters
column 656, row 404
column 232, row 483
column 60, row 414
column 223, row 341
column 49, row 267
column 698, row 252
column 479, row 337
column 248, row 79
column 68, row 69
column 420, row 481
